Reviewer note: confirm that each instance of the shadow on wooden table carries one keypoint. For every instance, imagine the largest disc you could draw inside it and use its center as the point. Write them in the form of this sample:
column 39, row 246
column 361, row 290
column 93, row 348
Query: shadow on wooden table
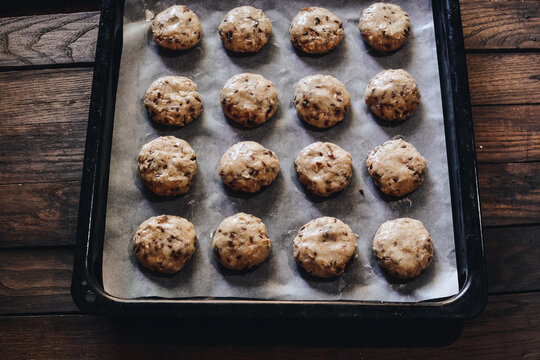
column 299, row 333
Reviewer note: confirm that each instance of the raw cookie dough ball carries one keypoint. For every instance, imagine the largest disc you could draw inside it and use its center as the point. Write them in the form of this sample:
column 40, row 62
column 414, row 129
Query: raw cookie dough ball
column 325, row 247
column 385, row 27
column 316, row 30
column 177, row 28
column 321, row 100
column 164, row 243
column 247, row 166
column 241, row 242
column 324, row 168
column 245, row 29
column 167, row 165
column 173, row 100
column 403, row 247
column 392, row 95
column 249, row 99
column 396, row 167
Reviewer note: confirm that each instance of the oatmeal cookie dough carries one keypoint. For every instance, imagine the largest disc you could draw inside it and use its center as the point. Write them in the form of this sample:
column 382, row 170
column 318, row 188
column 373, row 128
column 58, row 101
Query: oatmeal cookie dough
column 324, row 168
column 249, row 99
column 325, row 247
column 385, row 27
column 245, row 29
column 177, row 28
column 164, row 243
column 321, row 100
column 241, row 242
column 173, row 100
column 316, row 30
column 167, row 165
column 396, row 167
column 247, row 166
column 403, row 247
column 392, row 95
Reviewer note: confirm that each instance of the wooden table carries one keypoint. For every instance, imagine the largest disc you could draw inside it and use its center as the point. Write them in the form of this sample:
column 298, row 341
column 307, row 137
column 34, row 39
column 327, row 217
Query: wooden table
column 46, row 65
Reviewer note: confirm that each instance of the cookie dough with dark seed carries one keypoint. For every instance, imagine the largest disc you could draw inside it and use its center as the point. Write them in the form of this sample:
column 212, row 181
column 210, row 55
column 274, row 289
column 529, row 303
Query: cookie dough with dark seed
column 247, row 166
column 164, row 243
column 173, row 100
column 167, row 165
column 325, row 247
column 324, row 168
column 385, row 27
column 177, row 28
column 392, row 95
column 396, row 167
column 249, row 99
column 241, row 242
column 403, row 248
column 321, row 100
column 316, row 30
column 245, row 29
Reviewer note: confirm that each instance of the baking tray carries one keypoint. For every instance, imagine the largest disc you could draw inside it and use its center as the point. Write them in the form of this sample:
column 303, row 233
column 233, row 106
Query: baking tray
column 87, row 286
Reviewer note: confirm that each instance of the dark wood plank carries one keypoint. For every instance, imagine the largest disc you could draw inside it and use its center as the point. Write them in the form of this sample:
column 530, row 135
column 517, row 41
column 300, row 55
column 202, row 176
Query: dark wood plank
column 509, row 328
column 38, row 214
column 36, row 280
column 509, row 193
column 504, row 78
column 37, row 7
column 48, row 39
column 507, row 133
column 512, row 258
column 509, row 24
column 51, row 153
column 43, row 128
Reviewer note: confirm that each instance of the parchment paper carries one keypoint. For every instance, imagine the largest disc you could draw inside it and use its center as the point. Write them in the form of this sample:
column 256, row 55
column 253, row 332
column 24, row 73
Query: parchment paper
column 284, row 206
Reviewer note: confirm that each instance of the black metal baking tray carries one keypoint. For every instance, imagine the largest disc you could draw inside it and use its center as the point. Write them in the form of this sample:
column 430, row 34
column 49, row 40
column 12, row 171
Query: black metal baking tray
column 87, row 287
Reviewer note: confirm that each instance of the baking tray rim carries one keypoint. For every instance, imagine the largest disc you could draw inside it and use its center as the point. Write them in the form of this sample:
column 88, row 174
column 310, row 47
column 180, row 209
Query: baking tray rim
column 87, row 290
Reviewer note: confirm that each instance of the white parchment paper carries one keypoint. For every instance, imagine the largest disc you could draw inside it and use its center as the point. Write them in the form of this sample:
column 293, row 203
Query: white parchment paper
column 284, row 206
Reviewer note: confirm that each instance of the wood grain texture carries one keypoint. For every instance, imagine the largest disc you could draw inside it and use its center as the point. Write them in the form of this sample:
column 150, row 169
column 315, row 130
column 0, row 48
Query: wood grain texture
column 43, row 128
column 507, row 133
column 508, row 24
column 38, row 214
column 509, row 193
column 504, row 78
column 36, row 280
column 48, row 39
column 507, row 329
column 512, row 255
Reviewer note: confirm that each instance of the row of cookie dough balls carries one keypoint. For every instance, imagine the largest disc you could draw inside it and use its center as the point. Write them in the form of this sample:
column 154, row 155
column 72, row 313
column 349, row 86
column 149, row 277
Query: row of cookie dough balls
column 167, row 166
column 325, row 247
column 314, row 30
column 251, row 99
